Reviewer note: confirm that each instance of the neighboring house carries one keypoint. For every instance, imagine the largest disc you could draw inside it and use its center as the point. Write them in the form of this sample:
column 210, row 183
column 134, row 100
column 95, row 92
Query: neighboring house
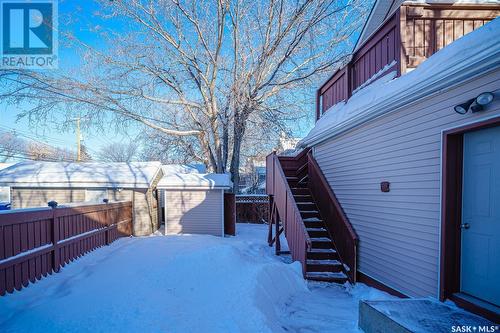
column 34, row 184
column 416, row 177
column 194, row 202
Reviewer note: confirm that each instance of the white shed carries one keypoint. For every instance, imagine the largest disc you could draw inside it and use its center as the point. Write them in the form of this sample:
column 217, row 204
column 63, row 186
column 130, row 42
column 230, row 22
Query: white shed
column 194, row 203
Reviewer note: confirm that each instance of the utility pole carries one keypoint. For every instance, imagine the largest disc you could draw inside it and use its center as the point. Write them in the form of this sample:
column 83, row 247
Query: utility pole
column 78, row 141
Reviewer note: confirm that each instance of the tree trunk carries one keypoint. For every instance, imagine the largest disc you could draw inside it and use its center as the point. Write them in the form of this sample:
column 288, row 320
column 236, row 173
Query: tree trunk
column 239, row 132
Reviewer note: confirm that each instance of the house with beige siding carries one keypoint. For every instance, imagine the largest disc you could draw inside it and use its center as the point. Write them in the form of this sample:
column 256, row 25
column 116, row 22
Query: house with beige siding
column 34, row 184
column 399, row 179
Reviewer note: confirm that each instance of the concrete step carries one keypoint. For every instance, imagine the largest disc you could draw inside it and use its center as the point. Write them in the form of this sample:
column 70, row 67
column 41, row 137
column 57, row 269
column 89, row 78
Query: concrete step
column 418, row 315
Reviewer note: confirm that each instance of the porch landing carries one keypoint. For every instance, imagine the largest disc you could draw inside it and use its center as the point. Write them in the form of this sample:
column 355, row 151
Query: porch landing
column 419, row 315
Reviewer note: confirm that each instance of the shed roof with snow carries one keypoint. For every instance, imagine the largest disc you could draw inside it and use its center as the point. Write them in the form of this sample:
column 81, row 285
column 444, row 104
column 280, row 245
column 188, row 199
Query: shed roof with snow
column 81, row 174
column 195, row 181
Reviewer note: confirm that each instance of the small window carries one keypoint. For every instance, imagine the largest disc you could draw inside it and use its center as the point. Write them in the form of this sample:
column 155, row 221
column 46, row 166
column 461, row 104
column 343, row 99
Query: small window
column 96, row 194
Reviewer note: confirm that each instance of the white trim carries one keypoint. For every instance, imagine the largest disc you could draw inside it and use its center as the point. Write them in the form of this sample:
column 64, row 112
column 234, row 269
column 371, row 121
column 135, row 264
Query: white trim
column 472, row 122
column 222, row 205
column 165, row 212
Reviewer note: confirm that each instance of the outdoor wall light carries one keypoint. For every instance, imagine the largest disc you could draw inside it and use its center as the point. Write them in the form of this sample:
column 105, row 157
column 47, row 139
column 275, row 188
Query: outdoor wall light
column 475, row 104
column 464, row 107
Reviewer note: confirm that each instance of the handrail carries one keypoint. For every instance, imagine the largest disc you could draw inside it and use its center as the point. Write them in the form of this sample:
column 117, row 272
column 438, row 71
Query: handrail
column 289, row 192
column 336, row 221
column 297, row 237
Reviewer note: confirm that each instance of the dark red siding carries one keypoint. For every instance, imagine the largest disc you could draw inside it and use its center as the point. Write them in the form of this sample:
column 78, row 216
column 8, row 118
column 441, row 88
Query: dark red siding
column 334, row 91
column 380, row 51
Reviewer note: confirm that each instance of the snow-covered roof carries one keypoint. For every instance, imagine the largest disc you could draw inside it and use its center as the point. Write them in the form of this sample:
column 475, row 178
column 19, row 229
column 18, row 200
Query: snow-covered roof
column 195, row 181
column 82, row 174
column 183, row 168
column 5, row 165
column 475, row 54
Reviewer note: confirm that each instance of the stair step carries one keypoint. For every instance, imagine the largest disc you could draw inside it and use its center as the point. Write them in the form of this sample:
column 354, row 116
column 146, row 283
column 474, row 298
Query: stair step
column 322, row 251
column 323, row 262
column 316, row 232
column 312, row 219
column 321, row 239
column 308, row 211
column 321, row 243
column 303, row 198
column 315, row 229
column 338, row 277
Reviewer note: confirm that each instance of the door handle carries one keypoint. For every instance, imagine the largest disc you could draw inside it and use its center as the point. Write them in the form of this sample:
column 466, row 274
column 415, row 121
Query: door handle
column 465, row 226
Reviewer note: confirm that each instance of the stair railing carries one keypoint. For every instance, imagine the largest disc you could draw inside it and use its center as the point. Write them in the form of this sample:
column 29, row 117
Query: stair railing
column 337, row 223
column 284, row 208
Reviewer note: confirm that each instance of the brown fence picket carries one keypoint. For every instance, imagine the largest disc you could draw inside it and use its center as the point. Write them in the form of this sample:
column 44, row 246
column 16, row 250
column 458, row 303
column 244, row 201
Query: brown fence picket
column 37, row 242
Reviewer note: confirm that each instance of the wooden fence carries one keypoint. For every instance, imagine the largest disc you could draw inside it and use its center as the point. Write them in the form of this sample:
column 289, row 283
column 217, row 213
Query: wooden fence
column 36, row 242
column 252, row 208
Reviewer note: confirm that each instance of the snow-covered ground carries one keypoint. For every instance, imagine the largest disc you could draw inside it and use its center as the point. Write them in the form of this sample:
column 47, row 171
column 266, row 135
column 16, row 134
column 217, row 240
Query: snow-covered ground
column 188, row 283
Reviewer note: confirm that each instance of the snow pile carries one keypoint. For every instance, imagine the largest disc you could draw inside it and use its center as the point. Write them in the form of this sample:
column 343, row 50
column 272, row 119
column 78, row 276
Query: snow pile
column 474, row 54
column 190, row 283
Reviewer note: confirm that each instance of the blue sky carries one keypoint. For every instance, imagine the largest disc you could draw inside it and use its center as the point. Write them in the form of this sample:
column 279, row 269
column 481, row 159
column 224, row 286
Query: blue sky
column 49, row 131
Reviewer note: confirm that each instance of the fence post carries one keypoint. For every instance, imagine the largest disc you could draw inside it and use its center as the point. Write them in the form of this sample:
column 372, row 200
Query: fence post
column 106, row 222
column 55, row 237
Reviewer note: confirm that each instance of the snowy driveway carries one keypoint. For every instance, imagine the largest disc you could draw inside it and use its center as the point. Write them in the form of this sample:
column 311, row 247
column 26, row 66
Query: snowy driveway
column 183, row 284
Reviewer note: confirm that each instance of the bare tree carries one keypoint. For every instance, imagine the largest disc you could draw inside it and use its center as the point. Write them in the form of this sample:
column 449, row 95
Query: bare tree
column 39, row 151
column 118, row 152
column 10, row 146
column 198, row 70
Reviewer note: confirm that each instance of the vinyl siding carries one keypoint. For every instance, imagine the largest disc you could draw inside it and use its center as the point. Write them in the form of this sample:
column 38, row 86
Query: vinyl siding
column 399, row 230
column 194, row 212
column 145, row 218
column 38, row 197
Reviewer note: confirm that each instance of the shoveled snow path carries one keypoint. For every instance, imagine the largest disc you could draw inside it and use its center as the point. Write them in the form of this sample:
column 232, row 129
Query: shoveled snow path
column 183, row 284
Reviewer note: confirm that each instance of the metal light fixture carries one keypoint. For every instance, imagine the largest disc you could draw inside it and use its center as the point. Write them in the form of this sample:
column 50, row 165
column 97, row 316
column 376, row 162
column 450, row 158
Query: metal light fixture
column 484, row 98
column 464, row 107
column 475, row 104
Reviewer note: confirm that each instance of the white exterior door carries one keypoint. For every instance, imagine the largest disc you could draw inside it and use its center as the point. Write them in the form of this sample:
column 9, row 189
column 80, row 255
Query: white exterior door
column 480, row 254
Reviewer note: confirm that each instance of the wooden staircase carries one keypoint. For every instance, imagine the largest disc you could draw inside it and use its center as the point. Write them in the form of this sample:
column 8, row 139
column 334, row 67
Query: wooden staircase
column 305, row 209
column 323, row 262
